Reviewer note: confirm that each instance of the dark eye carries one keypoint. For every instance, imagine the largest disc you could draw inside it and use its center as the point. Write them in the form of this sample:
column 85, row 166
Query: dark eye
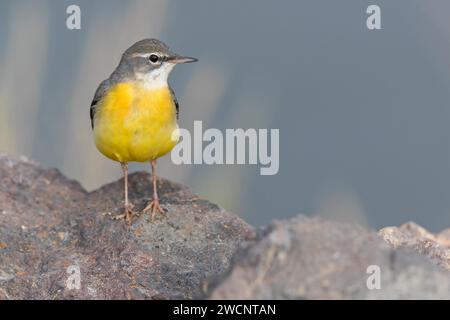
column 153, row 58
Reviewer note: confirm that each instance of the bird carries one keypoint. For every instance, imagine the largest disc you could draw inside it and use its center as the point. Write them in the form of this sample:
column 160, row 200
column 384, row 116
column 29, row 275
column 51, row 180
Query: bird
column 134, row 113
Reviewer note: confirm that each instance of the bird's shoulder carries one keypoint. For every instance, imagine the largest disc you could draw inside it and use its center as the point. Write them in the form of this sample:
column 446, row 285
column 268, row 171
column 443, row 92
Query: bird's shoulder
column 177, row 105
column 101, row 91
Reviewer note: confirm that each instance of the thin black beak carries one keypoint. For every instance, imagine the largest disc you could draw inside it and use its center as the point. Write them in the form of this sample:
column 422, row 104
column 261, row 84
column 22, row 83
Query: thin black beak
column 181, row 59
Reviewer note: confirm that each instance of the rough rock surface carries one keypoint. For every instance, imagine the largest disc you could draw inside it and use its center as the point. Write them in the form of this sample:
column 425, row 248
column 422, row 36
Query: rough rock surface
column 50, row 228
column 311, row 258
column 410, row 235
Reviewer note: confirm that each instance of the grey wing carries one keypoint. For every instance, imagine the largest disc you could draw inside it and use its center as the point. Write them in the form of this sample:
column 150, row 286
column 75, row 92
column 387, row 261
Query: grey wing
column 99, row 94
column 177, row 105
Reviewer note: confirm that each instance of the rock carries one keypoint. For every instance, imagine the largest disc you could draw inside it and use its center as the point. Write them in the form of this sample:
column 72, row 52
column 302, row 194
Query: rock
column 410, row 235
column 58, row 241
column 53, row 233
column 310, row 258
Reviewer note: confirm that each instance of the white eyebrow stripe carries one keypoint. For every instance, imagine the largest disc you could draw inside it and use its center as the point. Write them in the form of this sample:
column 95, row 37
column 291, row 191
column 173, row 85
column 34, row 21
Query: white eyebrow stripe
column 145, row 55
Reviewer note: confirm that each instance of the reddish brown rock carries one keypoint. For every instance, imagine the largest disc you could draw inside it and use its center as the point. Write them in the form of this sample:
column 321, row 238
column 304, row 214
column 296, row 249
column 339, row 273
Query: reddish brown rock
column 50, row 228
column 435, row 247
column 311, row 258
column 51, row 231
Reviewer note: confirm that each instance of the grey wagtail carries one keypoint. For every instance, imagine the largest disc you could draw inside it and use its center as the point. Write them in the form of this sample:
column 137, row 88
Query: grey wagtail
column 134, row 112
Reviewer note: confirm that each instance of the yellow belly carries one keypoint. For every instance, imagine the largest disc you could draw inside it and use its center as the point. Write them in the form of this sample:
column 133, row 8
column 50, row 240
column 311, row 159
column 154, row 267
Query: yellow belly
column 135, row 124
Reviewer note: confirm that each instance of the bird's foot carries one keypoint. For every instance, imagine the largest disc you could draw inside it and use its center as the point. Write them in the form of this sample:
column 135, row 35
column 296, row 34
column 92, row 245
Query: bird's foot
column 154, row 207
column 128, row 214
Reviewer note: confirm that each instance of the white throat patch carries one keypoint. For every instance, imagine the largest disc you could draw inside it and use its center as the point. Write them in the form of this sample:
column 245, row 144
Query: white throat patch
column 156, row 78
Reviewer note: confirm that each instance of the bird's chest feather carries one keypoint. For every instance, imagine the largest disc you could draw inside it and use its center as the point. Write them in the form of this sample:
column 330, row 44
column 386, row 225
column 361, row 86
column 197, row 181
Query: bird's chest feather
column 134, row 105
column 135, row 123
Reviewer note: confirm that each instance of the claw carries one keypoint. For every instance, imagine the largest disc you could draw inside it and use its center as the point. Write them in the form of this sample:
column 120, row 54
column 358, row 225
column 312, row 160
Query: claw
column 128, row 214
column 154, row 208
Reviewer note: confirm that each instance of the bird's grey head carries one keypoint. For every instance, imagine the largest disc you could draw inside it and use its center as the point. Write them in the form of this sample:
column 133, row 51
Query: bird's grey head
column 151, row 62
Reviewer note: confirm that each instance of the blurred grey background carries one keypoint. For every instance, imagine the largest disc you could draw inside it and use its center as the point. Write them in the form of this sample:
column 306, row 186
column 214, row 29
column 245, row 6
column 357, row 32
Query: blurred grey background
column 364, row 116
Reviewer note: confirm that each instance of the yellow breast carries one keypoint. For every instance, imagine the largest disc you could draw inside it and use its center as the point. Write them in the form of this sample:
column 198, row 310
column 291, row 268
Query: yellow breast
column 133, row 123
